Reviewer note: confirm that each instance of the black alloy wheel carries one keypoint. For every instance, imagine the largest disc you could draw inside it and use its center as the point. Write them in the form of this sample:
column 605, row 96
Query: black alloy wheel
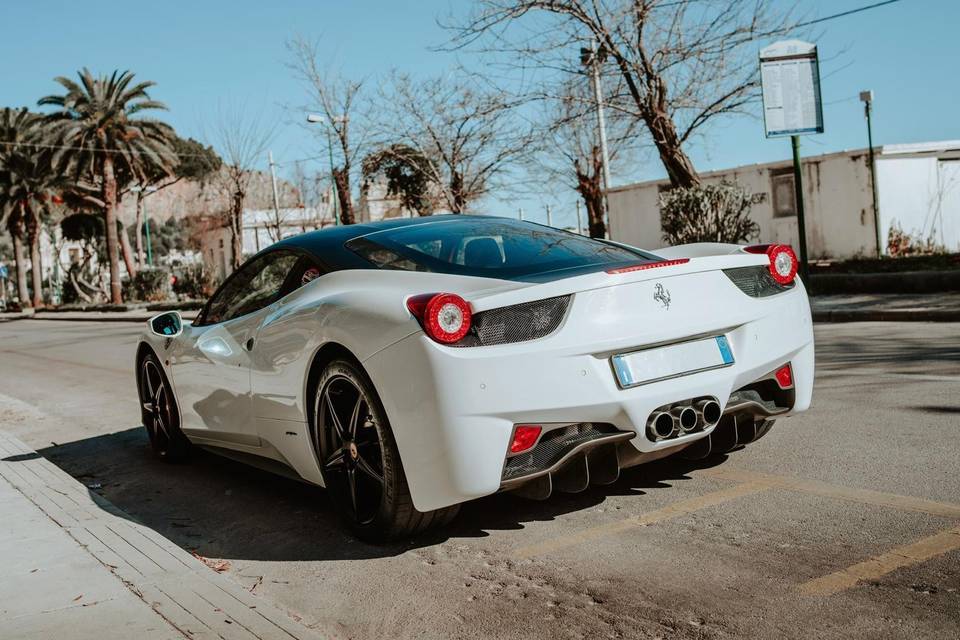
column 352, row 455
column 159, row 412
column 360, row 461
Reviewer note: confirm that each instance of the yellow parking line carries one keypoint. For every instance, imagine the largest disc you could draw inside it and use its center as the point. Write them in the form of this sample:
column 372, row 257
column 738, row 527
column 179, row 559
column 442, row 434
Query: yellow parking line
column 863, row 496
column 880, row 565
column 671, row 511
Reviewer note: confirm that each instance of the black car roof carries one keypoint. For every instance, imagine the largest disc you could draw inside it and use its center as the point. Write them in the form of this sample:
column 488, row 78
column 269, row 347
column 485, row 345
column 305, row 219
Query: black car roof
column 327, row 245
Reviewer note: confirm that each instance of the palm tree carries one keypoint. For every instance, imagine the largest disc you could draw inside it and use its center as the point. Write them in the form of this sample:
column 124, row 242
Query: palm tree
column 11, row 131
column 101, row 139
column 28, row 185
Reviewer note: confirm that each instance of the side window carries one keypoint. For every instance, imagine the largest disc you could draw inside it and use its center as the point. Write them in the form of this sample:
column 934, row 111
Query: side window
column 304, row 272
column 254, row 286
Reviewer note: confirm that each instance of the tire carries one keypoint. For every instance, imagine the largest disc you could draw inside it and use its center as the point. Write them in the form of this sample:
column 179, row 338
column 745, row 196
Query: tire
column 158, row 409
column 359, row 459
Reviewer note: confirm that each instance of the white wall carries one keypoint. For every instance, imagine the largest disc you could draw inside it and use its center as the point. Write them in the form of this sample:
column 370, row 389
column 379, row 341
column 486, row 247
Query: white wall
column 922, row 196
column 837, row 202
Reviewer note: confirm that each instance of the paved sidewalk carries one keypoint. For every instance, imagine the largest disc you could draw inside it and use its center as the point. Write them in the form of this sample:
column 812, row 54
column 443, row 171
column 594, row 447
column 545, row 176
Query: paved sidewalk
column 75, row 566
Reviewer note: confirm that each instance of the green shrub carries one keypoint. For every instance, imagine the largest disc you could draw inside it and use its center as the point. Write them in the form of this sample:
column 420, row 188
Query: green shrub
column 149, row 285
column 194, row 282
column 709, row 213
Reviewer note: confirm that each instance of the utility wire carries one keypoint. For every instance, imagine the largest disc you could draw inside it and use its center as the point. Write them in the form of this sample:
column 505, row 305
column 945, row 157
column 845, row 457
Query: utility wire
column 844, row 13
column 38, row 145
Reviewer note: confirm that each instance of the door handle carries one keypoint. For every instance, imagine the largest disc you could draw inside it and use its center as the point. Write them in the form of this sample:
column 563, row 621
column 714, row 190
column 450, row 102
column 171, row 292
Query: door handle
column 249, row 344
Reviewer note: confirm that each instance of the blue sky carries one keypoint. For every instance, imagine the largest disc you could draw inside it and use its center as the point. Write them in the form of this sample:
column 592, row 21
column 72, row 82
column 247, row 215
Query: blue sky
column 209, row 52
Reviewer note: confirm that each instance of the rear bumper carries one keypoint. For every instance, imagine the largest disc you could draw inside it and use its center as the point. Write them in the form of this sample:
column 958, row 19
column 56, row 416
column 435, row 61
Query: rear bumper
column 453, row 409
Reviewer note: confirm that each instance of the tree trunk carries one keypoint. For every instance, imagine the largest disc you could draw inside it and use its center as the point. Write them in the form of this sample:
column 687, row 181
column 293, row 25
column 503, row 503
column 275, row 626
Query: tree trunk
column 36, row 268
column 590, row 187
column 458, row 199
column 127, row 250
column 236, row 229
column 77, row 288
column 20, row 261
column 110, row 221
column 138, row 232
column 342, row 179
column 662, row 129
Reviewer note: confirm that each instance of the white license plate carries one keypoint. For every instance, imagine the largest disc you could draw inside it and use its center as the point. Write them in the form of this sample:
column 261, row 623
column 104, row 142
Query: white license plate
column 671, row 361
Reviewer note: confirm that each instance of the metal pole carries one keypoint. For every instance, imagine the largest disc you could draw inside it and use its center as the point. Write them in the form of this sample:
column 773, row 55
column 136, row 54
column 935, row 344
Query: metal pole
column 56, row 290
column 549, row 220
column 333, row 182
column 579, row 222
column 873, row 180
column 146, row 233
column 798, row 190
column 276, row 198
column 602, row 127
column 521, row 213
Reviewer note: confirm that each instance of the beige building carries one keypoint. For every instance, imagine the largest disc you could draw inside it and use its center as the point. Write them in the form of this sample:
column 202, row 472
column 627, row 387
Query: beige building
column 265, row 226
column 918, row 190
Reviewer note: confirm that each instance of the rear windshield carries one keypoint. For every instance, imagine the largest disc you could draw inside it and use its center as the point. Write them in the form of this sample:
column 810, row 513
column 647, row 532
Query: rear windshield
column 495, row 248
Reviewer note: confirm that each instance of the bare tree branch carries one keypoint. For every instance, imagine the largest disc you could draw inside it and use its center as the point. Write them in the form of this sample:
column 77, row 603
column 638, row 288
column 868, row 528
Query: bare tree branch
column 681, row 63
column 469, row 136
column 340, row 100
column 242, row 137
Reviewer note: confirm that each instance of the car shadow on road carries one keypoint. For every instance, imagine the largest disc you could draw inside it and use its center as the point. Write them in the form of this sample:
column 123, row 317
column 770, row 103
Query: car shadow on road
column 220, row 508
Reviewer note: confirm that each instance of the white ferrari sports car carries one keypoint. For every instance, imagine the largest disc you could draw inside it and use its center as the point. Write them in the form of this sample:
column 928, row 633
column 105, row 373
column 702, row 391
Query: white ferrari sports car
column 411, row 365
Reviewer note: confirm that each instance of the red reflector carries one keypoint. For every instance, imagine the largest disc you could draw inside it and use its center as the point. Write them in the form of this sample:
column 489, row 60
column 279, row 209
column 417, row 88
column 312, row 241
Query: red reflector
column 649, row 265
column 784, row 376
column 524, row 437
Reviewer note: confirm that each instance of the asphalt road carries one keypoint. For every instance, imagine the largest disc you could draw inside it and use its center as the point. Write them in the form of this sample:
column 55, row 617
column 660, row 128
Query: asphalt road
column 843, row 522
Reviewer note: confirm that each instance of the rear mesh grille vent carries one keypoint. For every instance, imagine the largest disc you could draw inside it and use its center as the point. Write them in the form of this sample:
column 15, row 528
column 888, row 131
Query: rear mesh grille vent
column 516, row 323
column 756, row 281
column 553, row 446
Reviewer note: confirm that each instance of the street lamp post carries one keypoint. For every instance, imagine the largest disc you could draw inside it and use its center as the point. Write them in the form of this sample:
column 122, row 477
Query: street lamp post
column 315, row 118
column 146, row 221
column 276, row 198
column 867, row 98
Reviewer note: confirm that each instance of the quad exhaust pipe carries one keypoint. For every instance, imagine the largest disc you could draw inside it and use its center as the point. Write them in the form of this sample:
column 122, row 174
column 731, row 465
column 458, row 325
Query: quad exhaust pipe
column 661, row 426
column 682, row 418
column 685, row 418
column 708, row 412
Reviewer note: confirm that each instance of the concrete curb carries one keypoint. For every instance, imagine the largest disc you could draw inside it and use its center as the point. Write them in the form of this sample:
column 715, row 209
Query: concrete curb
column 911, row 282
column 887, row 315
column 83, row 316
column 194, row 599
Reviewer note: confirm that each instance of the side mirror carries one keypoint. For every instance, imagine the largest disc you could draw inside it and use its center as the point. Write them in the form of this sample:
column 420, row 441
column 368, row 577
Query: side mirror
column 167, row 325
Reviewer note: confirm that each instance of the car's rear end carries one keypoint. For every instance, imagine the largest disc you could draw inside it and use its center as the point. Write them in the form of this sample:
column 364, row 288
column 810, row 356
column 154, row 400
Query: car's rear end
column 561, row 381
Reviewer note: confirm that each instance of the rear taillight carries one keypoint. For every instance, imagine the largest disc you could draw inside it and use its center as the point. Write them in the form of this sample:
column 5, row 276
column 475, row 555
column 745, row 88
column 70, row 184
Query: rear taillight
column 784, row 376
column 783, row 261
column 445, row 317
column 524, row 437
column 649, row 265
